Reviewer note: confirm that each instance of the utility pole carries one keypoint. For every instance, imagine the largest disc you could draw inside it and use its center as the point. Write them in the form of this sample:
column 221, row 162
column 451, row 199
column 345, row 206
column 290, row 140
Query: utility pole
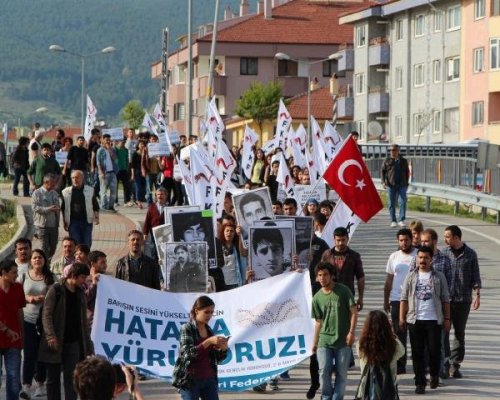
column 164, row 75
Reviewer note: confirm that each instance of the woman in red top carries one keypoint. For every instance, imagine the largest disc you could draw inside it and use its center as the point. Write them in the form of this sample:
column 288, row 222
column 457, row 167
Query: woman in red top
column 167, row 165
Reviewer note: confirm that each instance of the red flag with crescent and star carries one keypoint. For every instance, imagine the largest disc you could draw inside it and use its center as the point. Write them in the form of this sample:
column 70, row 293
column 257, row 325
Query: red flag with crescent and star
column 350, row 178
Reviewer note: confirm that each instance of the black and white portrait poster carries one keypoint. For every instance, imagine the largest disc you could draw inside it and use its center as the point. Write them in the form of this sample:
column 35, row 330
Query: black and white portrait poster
column 270, row 250
column 252, row 206
column 162, row 235
column 180, row 209
column 304, row 231
column 186, row 267
column 196, row 226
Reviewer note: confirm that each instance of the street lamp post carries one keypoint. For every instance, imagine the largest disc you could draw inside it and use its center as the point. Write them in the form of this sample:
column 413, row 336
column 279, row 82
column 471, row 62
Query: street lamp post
column 284, row 56
column 106, row 50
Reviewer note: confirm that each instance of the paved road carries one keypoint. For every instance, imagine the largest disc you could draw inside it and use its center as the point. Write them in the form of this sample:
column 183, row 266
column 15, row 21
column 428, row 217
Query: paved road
column 375, row 241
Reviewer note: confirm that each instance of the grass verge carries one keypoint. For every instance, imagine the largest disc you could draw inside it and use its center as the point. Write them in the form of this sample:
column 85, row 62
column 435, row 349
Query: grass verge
column 8, row 221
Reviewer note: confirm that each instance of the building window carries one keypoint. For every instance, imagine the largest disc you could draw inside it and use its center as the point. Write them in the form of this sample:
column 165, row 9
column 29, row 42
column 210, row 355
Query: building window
column 399, row 29
column 179, row 111
column 419, row 25
column 359, row 83
column 418, row 124
column 478, row 55
column 436, row 71
column 361, row 35
column 418, row 78
column 436, row 121
column 398, row 126
column 361, row 130
column 287, row 68
column 249, row 66
column 329, row 68
column 180, row 74
column 477, row 112
column 452, row 69
column 495, row 53
column 399, row 78
column 451, row 120
column 495, row 7
column 479, row 9
column 453, row 18
column 437, row 21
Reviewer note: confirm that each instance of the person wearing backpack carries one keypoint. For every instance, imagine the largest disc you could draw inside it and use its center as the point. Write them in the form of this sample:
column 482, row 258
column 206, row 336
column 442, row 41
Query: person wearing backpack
column 65, row 337
column 378, row 351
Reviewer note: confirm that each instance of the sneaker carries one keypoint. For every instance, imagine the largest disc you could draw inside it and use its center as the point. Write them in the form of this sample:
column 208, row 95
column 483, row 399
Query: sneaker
column 394, row 224
column 24, row 394
column 285, row 376
column 434, row 382
column 312, row 392
column 402, row 224
column 274, row 384
column 420, row 389
column 456, row 373
column 40, row 391
column 129, row 204
column 260, row 388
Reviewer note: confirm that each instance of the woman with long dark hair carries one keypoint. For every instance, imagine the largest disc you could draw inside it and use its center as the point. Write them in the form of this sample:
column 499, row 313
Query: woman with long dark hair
column 138, row 172
column 36, row 282
column 234, row 255
column 195, row 371
column 378, row 351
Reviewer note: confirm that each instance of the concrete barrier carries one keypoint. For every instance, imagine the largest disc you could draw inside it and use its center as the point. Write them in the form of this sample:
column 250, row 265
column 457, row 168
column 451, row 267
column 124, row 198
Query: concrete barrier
column 22, row 230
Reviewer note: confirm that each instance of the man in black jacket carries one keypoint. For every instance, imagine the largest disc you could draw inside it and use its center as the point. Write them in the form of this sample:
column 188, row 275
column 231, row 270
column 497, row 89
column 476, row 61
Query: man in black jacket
column 395, row 177
column 136, row 267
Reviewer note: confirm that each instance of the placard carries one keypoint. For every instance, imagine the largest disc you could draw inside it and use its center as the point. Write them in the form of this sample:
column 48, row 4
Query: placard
column 158, row 150
column 115, row 133
column 61, row 156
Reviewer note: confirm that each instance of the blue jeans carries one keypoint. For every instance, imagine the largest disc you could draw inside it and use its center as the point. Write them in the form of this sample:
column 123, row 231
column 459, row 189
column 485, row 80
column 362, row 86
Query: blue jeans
column 81, row 231
column 18, row 173
column 327, row 357
column 12, row 363
column 207, row 389
column 30, row 363
column 140, row 187
column 108, row 182
column 393, row 193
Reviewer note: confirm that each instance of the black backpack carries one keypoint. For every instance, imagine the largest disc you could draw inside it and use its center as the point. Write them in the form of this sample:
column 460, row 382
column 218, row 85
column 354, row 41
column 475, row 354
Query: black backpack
column 379, row 383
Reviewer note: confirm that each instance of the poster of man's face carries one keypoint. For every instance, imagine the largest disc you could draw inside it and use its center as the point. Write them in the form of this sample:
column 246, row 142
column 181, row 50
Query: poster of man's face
column 252, row 206
column 186, row 267
column 181, row 209
column 304, row 230
column 162, row 235
column 271, row 250
column 195, row 226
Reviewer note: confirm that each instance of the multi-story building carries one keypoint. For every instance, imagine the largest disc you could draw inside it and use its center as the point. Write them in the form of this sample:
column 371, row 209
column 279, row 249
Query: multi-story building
column 307, row 31
column 427, row 71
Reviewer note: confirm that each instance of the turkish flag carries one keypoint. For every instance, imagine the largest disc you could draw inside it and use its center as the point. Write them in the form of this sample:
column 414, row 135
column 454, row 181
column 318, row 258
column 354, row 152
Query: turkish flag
column 349, row 177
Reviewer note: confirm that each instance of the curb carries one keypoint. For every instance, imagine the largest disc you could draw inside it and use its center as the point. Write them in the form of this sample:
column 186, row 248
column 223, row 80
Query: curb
column 8, row 249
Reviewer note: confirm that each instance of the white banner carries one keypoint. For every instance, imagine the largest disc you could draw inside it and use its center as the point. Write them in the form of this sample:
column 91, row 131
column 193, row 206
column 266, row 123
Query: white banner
column 61, row 156
column 89, row 119
column 158, row 150
column 306, row 192
column 269, row 324
column 147, row 122
column 283, row 122
column 341, row 216
column 115, row 133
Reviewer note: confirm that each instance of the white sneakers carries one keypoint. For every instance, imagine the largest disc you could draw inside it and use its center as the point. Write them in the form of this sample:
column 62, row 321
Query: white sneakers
column 40, row 390
column 394, row 224
column 402, row 224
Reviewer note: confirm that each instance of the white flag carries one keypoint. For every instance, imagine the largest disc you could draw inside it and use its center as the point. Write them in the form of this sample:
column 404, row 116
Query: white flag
column 284, row 177
column 203, row 180
column 225, row 166
column 163, row 134
column 301, row 137
column 5, row 134
column 211, row 142
column 311, row 166
column 283, row 122
column 332, row 140
column 248, row 155
column 187, row 180
column 342, row 216
column 148, row 123
column 89, row 119
column 298, row 156
column 269, row 146
column 214, row 120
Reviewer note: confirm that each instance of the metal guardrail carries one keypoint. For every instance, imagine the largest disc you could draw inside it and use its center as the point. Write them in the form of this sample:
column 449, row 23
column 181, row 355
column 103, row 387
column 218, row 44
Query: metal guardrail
column 458, row 195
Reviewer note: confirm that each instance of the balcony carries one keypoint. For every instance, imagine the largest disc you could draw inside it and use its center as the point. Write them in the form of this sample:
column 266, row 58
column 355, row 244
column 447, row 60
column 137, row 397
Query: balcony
column 378, row 101
column 219, row 85
column 346, row 62
column 293, row 85
column 345, row 103
column 379, row 52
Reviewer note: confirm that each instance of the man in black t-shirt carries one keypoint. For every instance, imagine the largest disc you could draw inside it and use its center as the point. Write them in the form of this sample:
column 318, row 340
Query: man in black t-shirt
column 78, row 158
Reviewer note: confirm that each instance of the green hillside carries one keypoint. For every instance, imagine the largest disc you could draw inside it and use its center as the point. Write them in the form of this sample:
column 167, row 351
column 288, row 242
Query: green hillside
column 31, row 76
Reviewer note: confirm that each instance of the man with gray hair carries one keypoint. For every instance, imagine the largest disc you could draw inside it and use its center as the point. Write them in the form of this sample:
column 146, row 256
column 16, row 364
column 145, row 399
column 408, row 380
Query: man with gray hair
column 80, row 209
column 45, row 205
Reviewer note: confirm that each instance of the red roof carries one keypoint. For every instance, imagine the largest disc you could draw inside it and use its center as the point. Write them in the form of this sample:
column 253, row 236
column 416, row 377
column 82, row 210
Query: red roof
column 297, row 22
column 321, row 105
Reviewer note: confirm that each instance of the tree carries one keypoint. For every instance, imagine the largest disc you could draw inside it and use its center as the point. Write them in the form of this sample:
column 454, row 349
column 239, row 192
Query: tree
column 260, row 102
column 133, row 113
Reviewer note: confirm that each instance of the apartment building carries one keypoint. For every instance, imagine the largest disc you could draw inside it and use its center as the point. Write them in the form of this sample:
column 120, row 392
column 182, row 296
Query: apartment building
column 306, row 31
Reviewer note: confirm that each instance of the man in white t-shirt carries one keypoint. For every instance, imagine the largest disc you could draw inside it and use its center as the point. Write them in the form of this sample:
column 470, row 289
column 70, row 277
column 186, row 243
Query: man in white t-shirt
column 35, row 145
column 397, row 268
column 425, row 307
